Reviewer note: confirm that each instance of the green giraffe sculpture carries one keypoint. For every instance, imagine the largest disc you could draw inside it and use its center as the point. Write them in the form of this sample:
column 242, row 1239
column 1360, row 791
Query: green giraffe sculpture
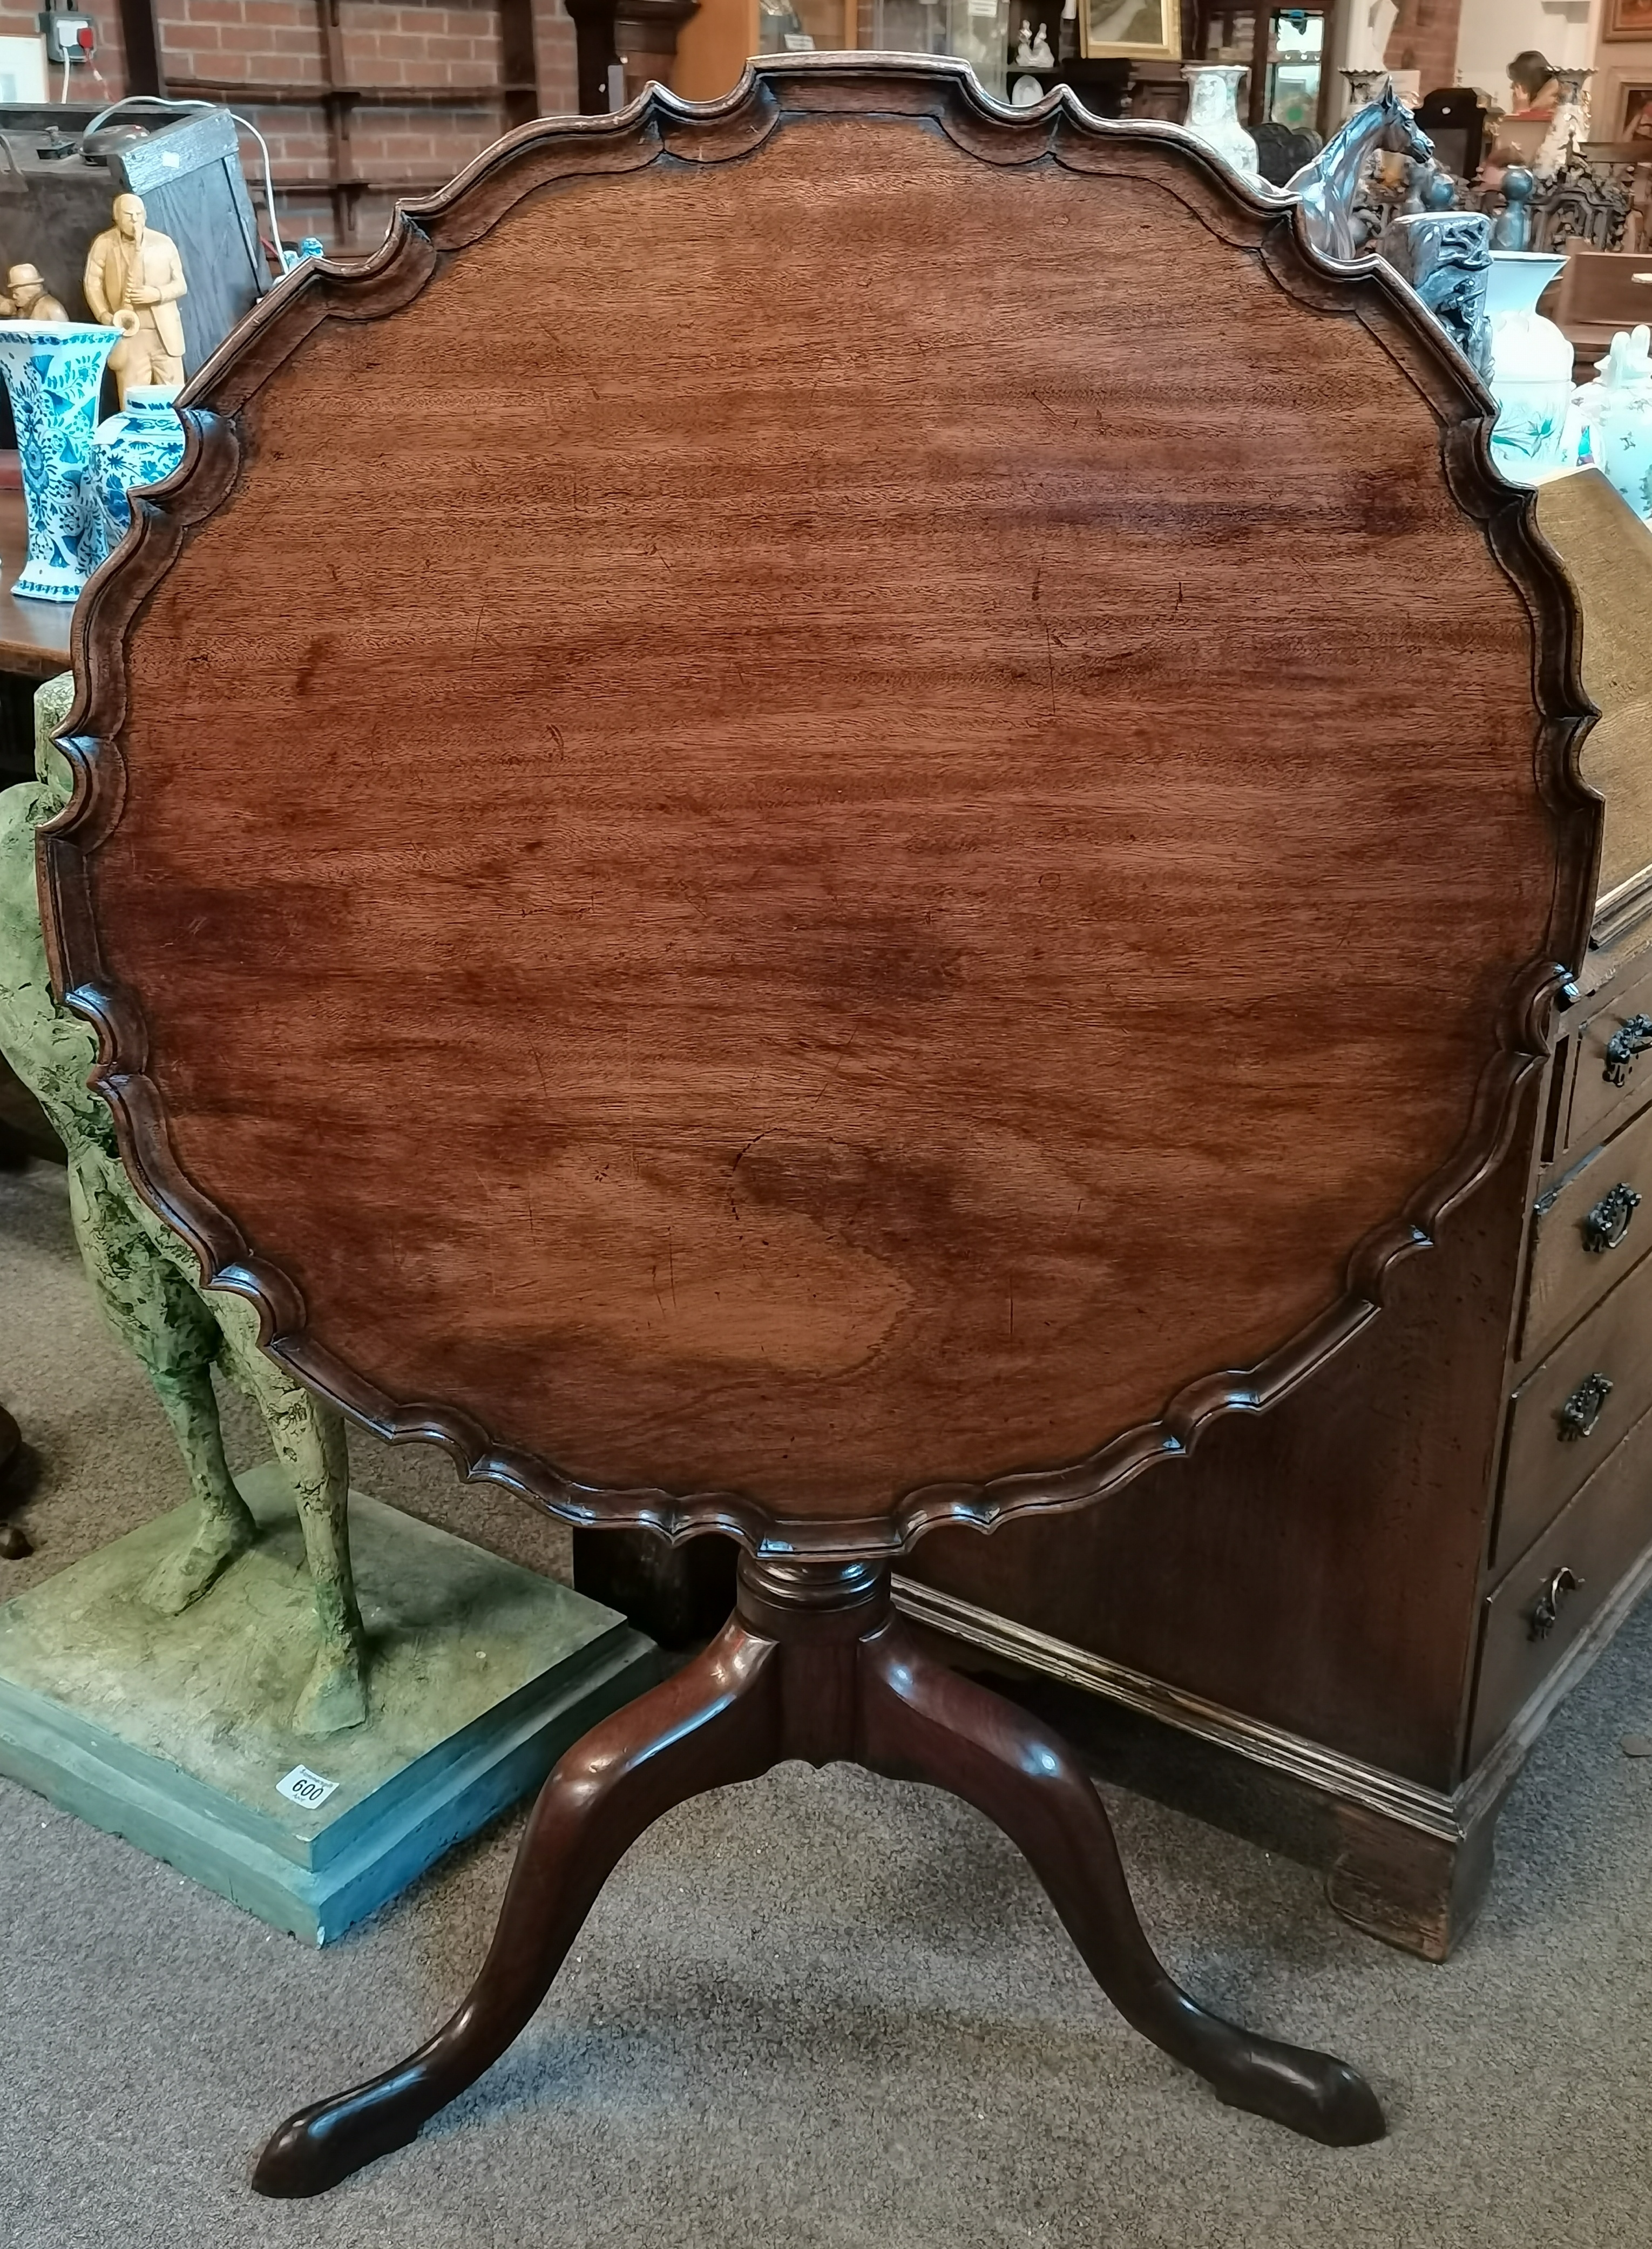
column 149, row 1283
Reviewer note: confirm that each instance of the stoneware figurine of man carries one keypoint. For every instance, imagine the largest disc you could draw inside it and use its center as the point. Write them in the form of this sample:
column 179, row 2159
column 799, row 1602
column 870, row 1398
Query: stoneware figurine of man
column 134, row 280
column 27, row 297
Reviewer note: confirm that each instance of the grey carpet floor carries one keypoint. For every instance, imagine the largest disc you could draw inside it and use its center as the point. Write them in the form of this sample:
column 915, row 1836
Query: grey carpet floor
column 817, row 2010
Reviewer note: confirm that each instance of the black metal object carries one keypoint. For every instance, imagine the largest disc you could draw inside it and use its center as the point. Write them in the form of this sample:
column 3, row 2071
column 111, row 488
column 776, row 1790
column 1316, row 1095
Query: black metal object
column 17, row 728
column 1454, row 119
column 1545, row 1609
column 1577, row 1416
column 1608, row 1222
column 1623, row 1046
column 15, row 1545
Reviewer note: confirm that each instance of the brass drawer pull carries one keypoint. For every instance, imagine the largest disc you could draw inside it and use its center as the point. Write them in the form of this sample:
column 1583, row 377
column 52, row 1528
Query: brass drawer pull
column 1608, row 1222
column 1546, row 1608
column 1577, row 1416
column 1623, row 1046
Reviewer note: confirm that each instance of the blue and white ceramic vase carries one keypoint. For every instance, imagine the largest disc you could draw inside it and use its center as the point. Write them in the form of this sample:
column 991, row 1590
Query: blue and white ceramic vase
column 139, row 446
column 54, row 371
column 1213, row 114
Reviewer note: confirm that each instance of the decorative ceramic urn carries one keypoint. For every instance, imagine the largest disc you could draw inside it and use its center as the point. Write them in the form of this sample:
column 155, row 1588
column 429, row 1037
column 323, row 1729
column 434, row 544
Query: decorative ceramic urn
column 1213, row 114
column 1364, row 87
column 1530, row 366
column 139, row 446
column 54, row 371
column 1617, row 409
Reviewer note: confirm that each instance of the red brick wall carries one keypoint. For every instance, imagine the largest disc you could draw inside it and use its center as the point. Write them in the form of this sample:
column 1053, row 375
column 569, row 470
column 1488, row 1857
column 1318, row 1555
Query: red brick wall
column 418, row 44
column 554, row 51
column 1424, row 38
column 431, row 46
column 241, row 39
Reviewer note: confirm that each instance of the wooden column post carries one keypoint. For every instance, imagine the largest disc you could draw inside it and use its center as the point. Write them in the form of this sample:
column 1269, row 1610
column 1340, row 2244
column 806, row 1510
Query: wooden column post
column 140, row 36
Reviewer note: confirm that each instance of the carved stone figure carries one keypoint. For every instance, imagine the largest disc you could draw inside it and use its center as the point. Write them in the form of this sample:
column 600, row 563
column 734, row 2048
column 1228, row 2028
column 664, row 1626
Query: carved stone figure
column 134, row 280
column 1446, row 256
column 27, row 297
column 1585, row 204
column 147, row 1282
column 1330, row 186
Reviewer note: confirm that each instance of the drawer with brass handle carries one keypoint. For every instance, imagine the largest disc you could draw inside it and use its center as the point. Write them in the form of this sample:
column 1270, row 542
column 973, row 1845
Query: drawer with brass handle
column 1554, row 1591
column 1586, row 1231
column 1569, row 1412
column 1613, row 1072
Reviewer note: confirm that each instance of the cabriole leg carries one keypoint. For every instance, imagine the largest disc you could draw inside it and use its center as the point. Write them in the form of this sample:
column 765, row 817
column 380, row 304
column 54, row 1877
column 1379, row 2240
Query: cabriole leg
column 714, row 1723
column 920, row 1722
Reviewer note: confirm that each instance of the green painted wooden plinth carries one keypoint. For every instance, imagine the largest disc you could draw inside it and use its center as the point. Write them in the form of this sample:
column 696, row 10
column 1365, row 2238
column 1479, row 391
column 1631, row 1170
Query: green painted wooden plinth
column 174, row 1731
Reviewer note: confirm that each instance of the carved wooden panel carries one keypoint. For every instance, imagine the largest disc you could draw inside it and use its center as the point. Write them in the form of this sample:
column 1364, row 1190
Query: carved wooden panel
column 819, row 800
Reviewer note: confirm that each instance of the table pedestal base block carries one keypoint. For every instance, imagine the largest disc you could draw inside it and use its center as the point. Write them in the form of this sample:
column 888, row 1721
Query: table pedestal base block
column 813, row 1664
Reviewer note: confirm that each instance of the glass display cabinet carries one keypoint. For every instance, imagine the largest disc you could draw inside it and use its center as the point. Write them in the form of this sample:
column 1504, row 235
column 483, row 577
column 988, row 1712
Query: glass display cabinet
column 976, row 31
column 1296, row 52
column 801, row 26
column 713, row 44
column 1285, row 50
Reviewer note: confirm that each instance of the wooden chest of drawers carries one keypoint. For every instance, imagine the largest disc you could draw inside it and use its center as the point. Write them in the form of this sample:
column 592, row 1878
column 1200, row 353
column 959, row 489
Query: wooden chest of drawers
column 1339, row 1627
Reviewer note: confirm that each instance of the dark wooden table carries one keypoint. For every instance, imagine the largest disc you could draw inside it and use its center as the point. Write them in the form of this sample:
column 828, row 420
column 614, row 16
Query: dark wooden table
column 34, row 644
column 961, row 970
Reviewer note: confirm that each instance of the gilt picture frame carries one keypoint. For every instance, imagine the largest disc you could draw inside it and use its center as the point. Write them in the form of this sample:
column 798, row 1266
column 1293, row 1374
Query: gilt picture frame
column 1145, row 31
column 1627, row 19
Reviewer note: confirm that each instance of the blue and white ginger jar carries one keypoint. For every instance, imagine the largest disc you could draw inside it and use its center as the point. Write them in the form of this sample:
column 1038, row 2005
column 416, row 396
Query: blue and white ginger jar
column 139, row 446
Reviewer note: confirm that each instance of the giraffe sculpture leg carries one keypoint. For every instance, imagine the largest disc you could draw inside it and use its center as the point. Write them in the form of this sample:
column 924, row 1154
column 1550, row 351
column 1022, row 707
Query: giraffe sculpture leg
column 149, row 1283
column 224, row 1525
column 311, row 1445
column 163, row 1322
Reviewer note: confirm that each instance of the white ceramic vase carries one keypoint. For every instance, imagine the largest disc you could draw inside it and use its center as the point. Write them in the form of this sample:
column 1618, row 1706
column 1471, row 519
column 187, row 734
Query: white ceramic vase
column 1531, row 368
column 1617, row 414
column 1213, row 114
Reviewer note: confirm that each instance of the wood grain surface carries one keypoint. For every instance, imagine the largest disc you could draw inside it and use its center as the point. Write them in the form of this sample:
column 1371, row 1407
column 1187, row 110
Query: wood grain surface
column 827, row 809
column 1608, row 553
